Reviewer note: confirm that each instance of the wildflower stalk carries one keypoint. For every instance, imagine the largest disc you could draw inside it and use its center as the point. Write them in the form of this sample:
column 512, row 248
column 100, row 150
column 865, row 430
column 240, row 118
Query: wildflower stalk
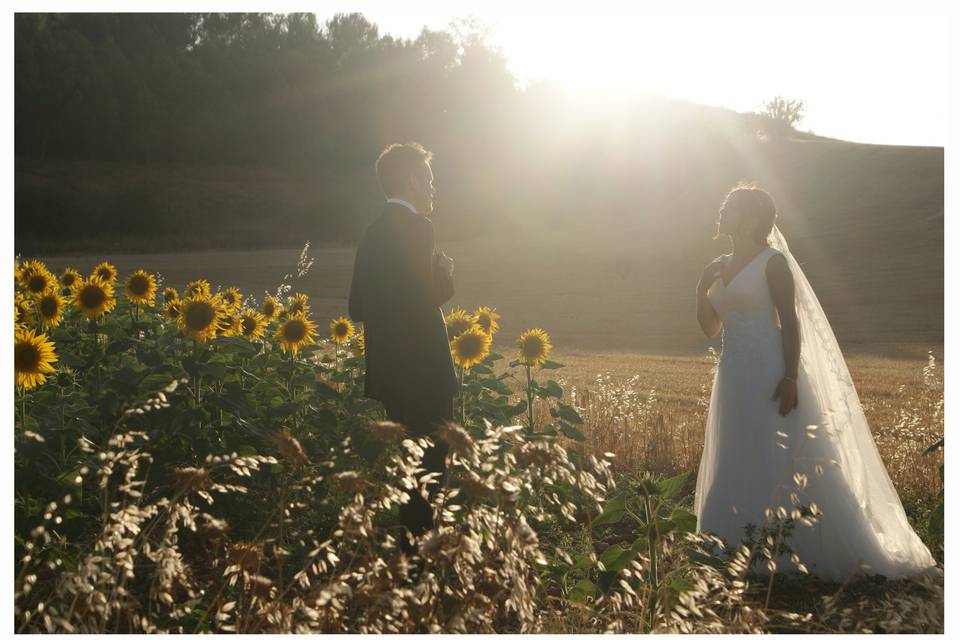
column 766, row 604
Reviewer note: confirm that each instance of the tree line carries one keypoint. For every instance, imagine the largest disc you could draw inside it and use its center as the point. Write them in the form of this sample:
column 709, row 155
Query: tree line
column 321, row 99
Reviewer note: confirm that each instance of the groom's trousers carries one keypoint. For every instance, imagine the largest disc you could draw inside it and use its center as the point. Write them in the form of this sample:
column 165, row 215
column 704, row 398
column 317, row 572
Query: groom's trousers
column 421, row 418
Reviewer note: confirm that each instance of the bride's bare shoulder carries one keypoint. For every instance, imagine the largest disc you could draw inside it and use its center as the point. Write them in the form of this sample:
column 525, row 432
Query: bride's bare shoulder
column 777, row 267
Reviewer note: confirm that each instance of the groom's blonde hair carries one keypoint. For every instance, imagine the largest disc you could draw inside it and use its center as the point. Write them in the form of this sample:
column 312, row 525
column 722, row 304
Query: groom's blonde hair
column 397, row 162
column 756, row 203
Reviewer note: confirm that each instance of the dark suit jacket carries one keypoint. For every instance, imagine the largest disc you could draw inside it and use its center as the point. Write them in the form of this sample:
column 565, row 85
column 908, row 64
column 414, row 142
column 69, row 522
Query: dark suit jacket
column 396, row 292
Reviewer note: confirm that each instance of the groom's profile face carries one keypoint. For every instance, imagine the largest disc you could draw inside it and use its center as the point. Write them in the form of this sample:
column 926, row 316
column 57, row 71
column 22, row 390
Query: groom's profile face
column 422, row 190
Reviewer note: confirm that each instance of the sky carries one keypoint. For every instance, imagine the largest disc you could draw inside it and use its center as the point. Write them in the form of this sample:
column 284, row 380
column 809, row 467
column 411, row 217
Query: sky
column 865, row 75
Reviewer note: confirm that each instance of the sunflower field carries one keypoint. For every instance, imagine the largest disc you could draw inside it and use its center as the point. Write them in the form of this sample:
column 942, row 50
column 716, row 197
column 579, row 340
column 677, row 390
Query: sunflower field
column 199, row 461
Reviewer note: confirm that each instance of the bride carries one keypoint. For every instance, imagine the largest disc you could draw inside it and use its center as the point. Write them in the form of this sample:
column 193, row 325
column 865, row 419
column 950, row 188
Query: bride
column 785, row 429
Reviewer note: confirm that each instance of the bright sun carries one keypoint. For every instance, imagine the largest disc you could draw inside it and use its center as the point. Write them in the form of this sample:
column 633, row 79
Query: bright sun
column 854, row 84
column 865, row 75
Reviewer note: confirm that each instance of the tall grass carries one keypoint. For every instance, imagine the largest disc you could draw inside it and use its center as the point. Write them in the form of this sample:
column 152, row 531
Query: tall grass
column 165, row 485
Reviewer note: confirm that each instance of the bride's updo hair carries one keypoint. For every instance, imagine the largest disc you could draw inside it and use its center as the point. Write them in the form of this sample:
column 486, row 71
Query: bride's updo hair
column 754, row 204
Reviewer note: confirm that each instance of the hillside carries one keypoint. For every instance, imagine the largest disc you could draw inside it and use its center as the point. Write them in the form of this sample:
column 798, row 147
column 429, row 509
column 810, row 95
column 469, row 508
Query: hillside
column 866, row 221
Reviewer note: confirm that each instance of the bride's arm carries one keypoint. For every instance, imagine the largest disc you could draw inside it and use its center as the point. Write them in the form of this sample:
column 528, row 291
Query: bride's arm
column 780, row 281
column 706, row 315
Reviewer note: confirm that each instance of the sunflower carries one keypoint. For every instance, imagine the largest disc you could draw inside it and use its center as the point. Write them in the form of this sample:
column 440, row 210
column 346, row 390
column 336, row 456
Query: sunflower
column 22, row 308
column 487, row 319
column 230, row 322
column 141, row 288
column 269, row 308
column 201, row 287
column 70, row 278
column 252, row 324
column 359, row 345
column 50, row 305
column 341, row 330
column 33, row 358
column 471, row 347
column 200, row 316
column 458, row 321
column 534, row 347
column 232, row 298
column 35, row 277
column 296, row 332
column 298, row 304
column 106, row 272
column 170, row 293
column 93, row 297
column 171, row 311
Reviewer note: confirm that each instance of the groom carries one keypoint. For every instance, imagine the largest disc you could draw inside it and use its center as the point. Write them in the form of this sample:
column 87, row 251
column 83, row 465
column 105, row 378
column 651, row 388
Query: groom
column 400, row 279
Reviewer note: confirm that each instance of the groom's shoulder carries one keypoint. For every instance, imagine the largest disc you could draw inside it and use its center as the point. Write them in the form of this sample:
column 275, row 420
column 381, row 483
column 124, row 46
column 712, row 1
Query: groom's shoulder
column 416, row 225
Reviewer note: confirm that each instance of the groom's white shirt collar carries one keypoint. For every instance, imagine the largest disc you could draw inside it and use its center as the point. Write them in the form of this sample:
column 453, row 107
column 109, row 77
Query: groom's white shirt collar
column 412, row 208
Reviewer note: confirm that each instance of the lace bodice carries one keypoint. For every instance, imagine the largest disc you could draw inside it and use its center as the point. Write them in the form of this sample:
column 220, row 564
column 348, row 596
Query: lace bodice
column 746, row 307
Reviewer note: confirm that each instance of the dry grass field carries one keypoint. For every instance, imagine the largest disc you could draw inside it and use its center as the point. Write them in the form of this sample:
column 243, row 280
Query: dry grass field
column 650, row 411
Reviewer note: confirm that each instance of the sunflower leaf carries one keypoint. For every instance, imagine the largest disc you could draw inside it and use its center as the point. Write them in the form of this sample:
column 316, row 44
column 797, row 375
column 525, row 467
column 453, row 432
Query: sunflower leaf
column 325, row 391
column 613, row 512
column 214, row 370
column 552, row 390
column 684, row 520
column 670, row 486
column 496, row 385
column 572, row 432
column 583, row 590
column 568, row 413
column 610, row 555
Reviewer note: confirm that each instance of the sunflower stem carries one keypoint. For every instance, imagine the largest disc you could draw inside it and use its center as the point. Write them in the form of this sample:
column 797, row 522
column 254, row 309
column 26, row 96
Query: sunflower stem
column 63, row 451
column 290, row 386
column 339, row 386
column 196, row 356
column 529, row 399
column 23, row 408
column 654, row 540
column 463, row 398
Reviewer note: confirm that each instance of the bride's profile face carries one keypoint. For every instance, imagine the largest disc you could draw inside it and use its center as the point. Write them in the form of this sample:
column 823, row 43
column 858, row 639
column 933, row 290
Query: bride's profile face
column 727, row 220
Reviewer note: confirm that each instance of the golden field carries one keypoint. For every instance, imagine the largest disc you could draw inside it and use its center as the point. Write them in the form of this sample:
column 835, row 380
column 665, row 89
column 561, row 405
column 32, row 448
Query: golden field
column 650, row 410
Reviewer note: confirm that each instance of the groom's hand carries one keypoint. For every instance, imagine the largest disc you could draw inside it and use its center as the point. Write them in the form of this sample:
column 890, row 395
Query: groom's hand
column 787, row 393
column 445, row 263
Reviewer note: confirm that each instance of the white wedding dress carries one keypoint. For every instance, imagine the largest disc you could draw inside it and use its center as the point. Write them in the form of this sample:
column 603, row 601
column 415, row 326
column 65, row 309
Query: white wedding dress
column 752, row 455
